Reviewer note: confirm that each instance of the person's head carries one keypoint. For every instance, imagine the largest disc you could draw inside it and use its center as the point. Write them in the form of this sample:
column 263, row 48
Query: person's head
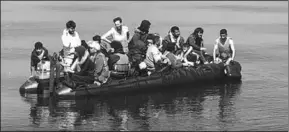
column 175, row 31
column 150, row 39
column 198, row 32
column 223, row 33
column 117, row 22
column 116, row 45
column 157, row 39
column 186, row 47
column 97, row 38
column 70, row 26
column 79, row 52
column 145, row 26
column 84, row 44
column 171, row 47
column 38, row 47
column 94, row 47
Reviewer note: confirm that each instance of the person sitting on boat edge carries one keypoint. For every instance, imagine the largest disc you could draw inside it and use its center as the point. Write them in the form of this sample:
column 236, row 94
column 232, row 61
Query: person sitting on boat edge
column 38, row 55
column 82, row 70
column 137, row 45
column 101, row 72
column 118, row 61
column 153, row 55
column 224, row 49
column 187, row 55
column 174, row 36
column 70, row 40
column 197, row 42
column 119, row 33
column 175, row 61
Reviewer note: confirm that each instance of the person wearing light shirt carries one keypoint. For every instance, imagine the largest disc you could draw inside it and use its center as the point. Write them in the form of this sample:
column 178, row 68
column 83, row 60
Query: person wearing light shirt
column 70, row 40
column 118, row 33
column 224, row 49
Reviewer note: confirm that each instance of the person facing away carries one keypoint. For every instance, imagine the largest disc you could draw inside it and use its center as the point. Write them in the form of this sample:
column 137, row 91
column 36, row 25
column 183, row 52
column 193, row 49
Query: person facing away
column 84, row 74
column 175, row 61
column 197, row 42
column 70, row 40
column 118, row 33
column 137, row 45
column 39, row 54
column 101, row 70
column 174, row 36
column 118, row 61
column 224, row 49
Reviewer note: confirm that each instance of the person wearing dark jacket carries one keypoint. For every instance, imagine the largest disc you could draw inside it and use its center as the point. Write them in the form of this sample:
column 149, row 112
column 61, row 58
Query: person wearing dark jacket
column 196, row 41
column 84, row 73
column 137, row 46
column 118, row 61
column 39, row 54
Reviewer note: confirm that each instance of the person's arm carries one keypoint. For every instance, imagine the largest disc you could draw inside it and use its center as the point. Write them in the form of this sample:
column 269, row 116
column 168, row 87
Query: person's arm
column 78, row 40
column 156, row 55
column 108, row 33
column 231, row 42
column 188, row 51
column 98, row 63
column 191, row 41
column 65, row 40
column 215, row 49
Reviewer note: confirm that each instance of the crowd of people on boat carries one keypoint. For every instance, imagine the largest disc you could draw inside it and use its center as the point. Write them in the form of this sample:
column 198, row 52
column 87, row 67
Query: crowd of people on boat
column 116, row 54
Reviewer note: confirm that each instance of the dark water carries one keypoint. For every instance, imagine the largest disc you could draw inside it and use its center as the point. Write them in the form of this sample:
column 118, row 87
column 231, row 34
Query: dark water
column 259, row 102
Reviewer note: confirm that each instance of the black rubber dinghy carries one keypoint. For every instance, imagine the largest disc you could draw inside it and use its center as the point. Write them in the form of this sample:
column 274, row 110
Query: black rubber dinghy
column 201, row 74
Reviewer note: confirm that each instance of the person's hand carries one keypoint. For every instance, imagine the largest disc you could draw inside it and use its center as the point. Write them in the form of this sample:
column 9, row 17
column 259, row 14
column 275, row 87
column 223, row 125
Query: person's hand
column 217, row 60
column 185, row 64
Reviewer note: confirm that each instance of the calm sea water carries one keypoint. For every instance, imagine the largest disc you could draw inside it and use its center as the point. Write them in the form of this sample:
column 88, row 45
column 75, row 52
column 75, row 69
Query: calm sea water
column 259, row 102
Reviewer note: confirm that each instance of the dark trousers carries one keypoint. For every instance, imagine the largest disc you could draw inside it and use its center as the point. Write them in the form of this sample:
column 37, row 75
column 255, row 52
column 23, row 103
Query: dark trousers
column 201, row 54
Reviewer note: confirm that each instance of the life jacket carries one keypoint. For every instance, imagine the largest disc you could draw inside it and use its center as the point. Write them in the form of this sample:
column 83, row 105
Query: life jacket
column 122, row 66
column 224, row 50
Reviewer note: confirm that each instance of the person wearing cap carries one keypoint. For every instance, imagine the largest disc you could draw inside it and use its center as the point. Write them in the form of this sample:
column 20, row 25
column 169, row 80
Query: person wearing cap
column 224, row 49
column 70, row 40
column 39, row 54
column 118, row 33
column 101, row 70
column 174, row 36
column 118, row 61
column 82, row 70
column 196, row 41
column 137, row 45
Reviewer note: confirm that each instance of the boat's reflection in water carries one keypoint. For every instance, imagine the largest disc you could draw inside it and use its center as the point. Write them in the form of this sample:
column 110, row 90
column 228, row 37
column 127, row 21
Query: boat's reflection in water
column 204, row 108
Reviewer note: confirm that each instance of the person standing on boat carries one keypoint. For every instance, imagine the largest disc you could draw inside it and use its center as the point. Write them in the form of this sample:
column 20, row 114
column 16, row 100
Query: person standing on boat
column 118, row 33
column 137, row 45
column 224, row 49
column 197, row 42
column 101, row 72
column 174, row 36
column 118, row 61
column 39, row 54
column 82, row 70
column 70, row 40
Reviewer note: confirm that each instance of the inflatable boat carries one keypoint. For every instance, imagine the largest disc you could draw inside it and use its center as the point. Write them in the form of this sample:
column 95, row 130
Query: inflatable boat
column 173, row 78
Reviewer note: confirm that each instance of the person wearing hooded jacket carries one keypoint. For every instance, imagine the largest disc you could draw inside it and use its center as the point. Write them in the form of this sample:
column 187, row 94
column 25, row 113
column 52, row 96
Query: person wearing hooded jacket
column 137, row 46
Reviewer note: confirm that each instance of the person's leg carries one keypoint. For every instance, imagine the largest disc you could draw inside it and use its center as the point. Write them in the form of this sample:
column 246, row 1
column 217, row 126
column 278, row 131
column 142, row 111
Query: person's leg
column 202, row 58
